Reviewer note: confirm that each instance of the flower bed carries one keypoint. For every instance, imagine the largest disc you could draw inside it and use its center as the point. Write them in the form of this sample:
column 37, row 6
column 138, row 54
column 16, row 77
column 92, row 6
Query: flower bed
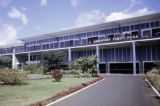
column 65, row 93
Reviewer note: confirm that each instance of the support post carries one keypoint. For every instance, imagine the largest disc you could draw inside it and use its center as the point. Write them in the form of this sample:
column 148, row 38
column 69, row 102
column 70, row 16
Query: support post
column 13, row 59
column 29, row 58
column 97, row 54
column 69, row 55
column 134, row 57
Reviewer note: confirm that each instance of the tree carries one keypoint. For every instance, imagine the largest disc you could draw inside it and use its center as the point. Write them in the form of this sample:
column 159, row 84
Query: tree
column 86, row 64
column 5, row 61
column 53, row 62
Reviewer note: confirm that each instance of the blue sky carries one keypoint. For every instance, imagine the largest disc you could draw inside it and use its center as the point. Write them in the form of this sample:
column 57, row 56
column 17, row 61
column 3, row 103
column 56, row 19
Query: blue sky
column 24, row 18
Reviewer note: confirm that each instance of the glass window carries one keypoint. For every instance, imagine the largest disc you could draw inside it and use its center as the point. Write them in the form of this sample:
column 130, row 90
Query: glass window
column 55, row 45
column 95, row 33
column 157, row 24
column 132, row 27
column 152, row 24
column 146, row 34
column 61, row 44
column 70, row 36
column 84, row 42
column 77, row 42
column 65, row 37
column 137, row 27
column 89, row 34
column 146, row 25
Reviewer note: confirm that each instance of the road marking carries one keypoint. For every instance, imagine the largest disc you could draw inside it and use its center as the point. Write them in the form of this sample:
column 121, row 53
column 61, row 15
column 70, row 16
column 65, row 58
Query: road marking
column 65, row 97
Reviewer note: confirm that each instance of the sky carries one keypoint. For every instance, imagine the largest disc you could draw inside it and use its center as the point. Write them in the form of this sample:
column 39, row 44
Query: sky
column 25, row 18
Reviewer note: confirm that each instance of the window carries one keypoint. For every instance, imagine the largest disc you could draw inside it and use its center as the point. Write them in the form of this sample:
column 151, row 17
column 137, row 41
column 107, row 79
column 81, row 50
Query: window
column 70, row 36
column 61, row 44
column 155, row 24
column 137, row 27
column 146, row 34
column 84, row 42
column 89, row 34
column 132, row 27
column 95, row 33
column 156, row 32
column 65, row 37
column 77, row 42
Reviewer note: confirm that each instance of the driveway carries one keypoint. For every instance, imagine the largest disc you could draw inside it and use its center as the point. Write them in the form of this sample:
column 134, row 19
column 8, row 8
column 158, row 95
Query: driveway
column 115, row 90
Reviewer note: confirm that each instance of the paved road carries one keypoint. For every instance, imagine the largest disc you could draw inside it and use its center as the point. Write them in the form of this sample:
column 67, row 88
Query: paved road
column 115, row 90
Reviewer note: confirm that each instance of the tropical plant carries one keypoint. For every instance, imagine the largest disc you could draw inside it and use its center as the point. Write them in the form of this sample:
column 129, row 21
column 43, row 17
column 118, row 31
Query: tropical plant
column 86, row 64
column 12, row 76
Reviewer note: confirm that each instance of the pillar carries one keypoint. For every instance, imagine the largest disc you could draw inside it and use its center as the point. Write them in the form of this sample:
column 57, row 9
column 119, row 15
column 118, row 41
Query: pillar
column 97, row 54
column 69, row 55
column 14, row 59
column 29, row 58
column 134, row 57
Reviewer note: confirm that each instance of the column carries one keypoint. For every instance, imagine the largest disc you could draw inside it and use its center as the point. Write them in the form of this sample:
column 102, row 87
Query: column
column 29, row 58
column 97, row 54
column 134, row 57
column 13, row 59
column 69, row 55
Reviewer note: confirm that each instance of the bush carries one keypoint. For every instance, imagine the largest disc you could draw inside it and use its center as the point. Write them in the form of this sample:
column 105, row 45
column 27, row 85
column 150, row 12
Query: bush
column 154, row 77
column 56, row 74
column 33, row 68
column 12, row 76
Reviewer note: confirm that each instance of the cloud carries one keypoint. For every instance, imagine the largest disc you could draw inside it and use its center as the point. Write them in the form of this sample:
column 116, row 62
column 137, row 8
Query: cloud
column 43, row 2
column 4, row 3
column 132, row 4
column 89, row 18
column 74, row 3
column 8, row 33
column 38, row 27
column 123, row 15
column 17, row 14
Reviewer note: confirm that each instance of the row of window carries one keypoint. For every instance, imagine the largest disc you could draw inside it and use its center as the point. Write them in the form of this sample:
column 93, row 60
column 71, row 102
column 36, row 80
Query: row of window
column 119, row 29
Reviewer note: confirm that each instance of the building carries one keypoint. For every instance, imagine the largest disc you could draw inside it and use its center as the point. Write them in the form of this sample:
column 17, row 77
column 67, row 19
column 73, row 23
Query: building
column 124, row 46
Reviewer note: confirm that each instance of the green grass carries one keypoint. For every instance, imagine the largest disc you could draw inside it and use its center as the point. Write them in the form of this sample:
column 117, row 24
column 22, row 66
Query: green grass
column 35, row 90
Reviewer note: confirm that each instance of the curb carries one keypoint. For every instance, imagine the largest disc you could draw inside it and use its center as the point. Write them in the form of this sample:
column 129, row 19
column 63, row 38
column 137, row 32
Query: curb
column 65, row 97
column 153, row 88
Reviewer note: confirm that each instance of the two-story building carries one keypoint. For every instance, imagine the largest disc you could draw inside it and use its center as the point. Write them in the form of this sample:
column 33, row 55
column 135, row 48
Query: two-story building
column 123, row 46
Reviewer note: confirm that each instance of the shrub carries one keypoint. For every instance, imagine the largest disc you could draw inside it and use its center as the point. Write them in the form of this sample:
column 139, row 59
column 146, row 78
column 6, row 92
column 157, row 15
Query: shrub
column 12, row 76
column 56, row 74
column 86, row 65
column 154, row 77
column 33, row 68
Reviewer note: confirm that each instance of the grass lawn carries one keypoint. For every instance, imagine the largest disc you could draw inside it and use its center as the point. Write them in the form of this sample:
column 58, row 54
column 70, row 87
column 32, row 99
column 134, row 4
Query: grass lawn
column 35, row 90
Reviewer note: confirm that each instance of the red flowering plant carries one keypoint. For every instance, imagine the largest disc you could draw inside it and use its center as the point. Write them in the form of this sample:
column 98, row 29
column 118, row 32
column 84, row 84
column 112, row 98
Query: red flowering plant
column 56, row 74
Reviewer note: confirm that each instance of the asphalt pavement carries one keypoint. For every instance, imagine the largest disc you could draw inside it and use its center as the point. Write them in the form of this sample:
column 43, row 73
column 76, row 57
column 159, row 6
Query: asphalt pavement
column 115, row 90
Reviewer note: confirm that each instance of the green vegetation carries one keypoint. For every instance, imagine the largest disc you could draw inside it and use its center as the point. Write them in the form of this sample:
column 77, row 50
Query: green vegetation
column 35, row 90
column 53, row 62
column 5, row 61
column 154, row 76
column 33, row 68
column 12, row 77
column 86, row 65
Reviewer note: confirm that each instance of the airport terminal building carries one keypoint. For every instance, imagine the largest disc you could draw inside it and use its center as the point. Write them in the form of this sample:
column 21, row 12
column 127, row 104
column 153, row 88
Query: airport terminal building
column 123, row 46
